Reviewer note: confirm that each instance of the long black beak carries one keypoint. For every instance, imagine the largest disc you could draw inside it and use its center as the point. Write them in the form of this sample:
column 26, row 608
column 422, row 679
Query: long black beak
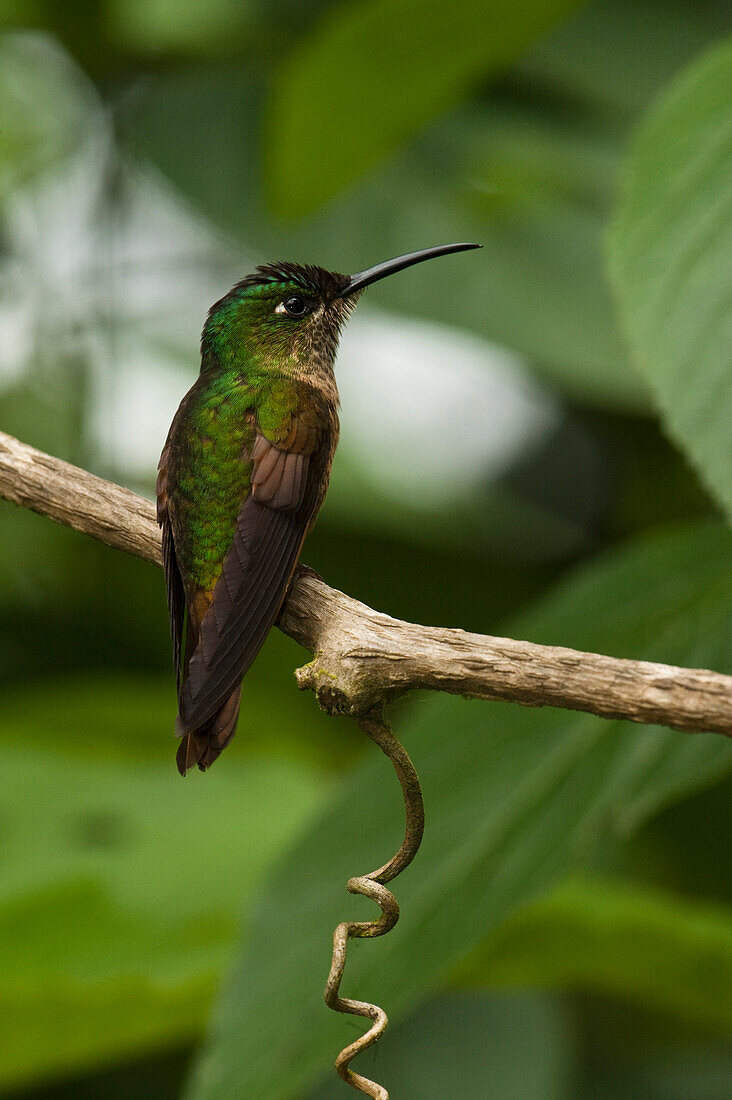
column 389, row 267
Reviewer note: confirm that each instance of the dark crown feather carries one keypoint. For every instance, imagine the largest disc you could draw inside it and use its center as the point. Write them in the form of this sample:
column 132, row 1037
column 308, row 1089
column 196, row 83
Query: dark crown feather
column 309, row 278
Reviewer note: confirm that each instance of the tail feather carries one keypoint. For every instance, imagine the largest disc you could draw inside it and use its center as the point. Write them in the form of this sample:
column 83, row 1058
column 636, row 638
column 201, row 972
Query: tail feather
column 203, row 745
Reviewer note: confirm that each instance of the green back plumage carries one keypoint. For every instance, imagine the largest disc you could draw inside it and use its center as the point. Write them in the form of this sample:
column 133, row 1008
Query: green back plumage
column 255, row 368
column 212, row 478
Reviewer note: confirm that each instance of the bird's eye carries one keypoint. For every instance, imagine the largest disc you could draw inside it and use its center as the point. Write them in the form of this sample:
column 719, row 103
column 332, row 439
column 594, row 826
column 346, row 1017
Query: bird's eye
column 296, row 306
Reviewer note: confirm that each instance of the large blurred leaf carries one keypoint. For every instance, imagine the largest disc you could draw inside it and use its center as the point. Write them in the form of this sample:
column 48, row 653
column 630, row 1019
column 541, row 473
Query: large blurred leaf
column 120, row 881
column 72, row 957
column 670, row 255
column 514, row 798
column 619, row 939
column 160, row 26
column 373, row 72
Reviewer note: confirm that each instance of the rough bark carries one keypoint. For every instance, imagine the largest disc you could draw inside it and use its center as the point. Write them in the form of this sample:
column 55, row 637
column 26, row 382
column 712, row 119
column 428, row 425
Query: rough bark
column 363, row 658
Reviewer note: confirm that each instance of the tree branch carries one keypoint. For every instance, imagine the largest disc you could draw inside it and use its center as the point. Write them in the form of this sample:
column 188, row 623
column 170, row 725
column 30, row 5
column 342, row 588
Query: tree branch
column 364, row 658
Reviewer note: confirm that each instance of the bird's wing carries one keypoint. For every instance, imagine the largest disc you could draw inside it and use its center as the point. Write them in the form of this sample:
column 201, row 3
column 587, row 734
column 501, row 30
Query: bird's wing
column 287, row 485
column 173, row 579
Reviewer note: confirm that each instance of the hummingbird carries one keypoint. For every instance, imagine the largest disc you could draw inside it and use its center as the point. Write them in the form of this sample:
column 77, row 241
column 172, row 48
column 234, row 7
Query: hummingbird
column 243, row 474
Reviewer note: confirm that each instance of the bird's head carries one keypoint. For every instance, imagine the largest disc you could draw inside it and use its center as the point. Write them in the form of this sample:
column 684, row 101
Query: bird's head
column 290, row 316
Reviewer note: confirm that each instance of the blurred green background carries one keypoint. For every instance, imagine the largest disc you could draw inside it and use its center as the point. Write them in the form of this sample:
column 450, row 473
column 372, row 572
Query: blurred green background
column 535, row 442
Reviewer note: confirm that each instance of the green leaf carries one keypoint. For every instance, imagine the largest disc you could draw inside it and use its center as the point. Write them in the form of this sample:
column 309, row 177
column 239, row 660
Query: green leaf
column 370, row 74
column 120, row 880
column 670, row 251
column 166, row 26
column 514, row 799
column 620, row 939
column 72, row 956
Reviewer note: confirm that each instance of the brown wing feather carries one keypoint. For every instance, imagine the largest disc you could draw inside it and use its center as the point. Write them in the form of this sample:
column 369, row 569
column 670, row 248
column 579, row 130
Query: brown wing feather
column 287, row 488
column 173, row 579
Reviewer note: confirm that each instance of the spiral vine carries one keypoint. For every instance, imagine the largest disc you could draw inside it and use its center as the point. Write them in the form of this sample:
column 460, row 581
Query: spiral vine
column 373, row 886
